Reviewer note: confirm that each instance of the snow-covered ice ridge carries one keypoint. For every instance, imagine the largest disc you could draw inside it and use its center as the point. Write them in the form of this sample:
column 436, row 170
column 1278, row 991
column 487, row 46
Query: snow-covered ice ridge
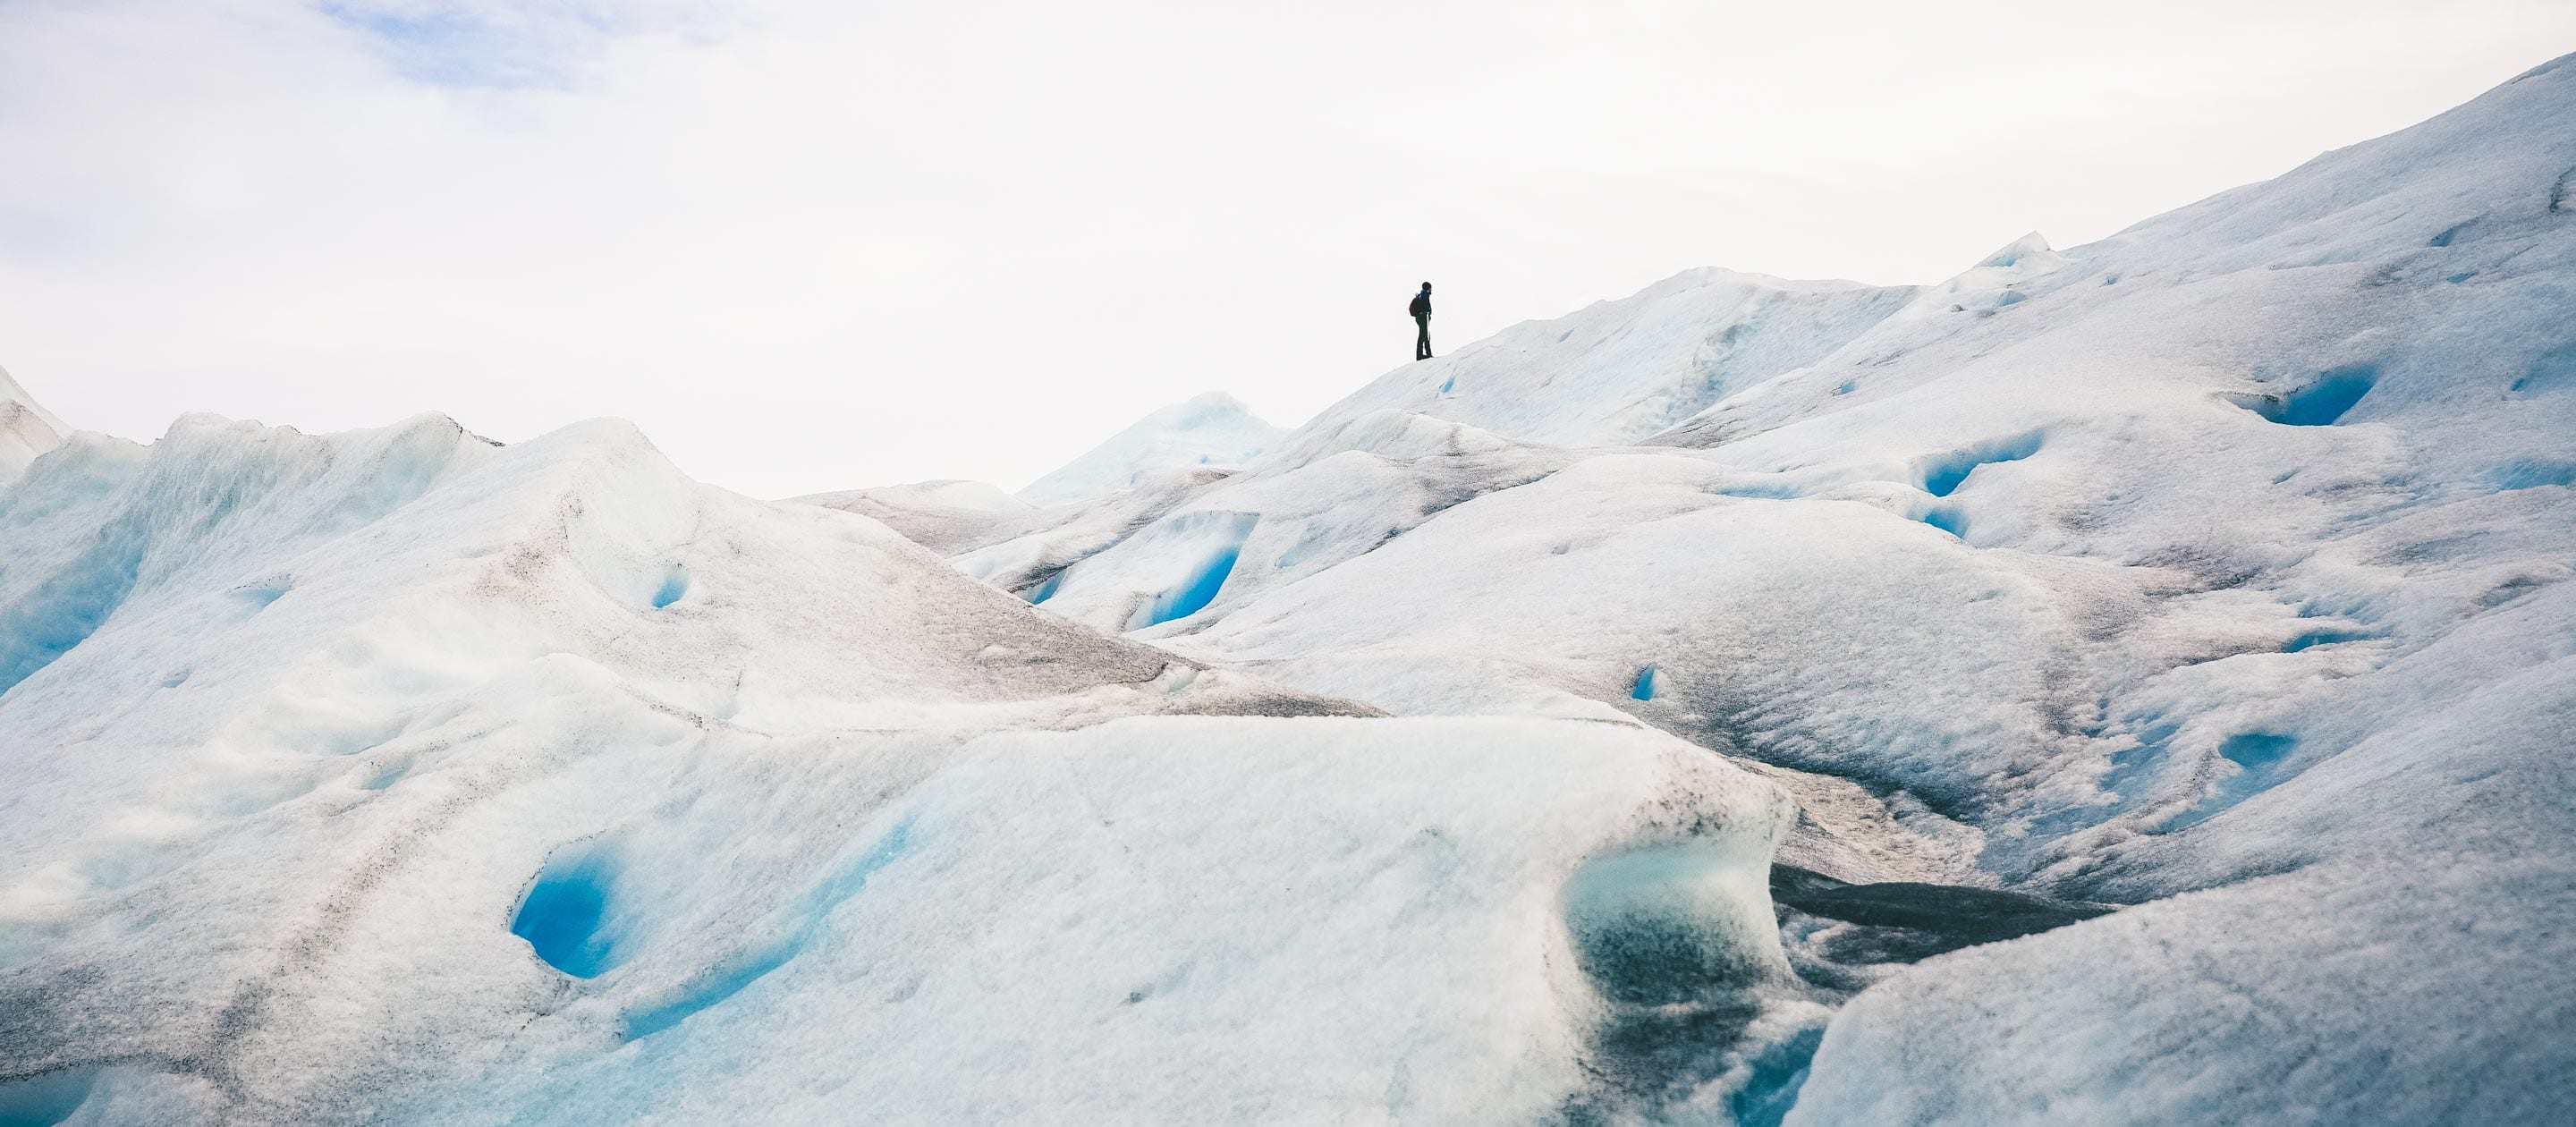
column 2130, row 684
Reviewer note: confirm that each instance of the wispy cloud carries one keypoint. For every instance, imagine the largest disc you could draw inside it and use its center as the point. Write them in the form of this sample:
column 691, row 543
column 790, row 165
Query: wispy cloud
column 496, row 44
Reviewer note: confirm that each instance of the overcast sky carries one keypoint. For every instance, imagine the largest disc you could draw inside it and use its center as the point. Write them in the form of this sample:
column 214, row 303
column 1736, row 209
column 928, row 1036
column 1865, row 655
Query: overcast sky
column 817, row 244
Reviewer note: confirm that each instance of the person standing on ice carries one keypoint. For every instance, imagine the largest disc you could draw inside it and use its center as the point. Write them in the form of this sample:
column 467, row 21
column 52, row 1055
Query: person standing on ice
column 1421, row 310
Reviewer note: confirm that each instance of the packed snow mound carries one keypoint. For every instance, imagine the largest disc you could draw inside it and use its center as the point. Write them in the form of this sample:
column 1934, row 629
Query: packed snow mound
column 394, row 776
column 26, row 429
column 1214, row 429
column 2219, row 567
column 1619, row 371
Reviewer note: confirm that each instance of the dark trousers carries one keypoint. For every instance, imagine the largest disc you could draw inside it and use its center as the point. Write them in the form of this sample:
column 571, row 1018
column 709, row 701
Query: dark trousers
column 1422, row 341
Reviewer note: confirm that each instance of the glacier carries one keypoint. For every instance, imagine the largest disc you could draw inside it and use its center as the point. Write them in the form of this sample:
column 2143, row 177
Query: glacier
column 2129, row 683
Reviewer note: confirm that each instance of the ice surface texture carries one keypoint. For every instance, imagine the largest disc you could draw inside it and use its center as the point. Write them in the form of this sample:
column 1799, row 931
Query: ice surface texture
column 2217, row 568
column 395, row 776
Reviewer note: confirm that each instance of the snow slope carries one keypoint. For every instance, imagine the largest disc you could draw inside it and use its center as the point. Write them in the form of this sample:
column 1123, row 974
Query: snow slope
column 2217, row 568
column 1214, row 429
column 1621, row 370
column 26, row 429
column 396, row 776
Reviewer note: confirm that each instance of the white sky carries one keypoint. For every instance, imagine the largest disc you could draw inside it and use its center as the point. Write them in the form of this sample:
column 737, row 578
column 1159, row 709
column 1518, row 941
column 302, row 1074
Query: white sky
column 817, row 245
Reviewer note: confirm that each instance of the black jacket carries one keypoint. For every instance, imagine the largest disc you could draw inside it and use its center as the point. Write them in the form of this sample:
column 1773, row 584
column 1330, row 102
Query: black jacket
column 1421, row 306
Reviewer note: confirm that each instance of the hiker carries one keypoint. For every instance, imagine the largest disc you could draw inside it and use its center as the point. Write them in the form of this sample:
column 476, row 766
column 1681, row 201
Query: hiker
column 1421, row 310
